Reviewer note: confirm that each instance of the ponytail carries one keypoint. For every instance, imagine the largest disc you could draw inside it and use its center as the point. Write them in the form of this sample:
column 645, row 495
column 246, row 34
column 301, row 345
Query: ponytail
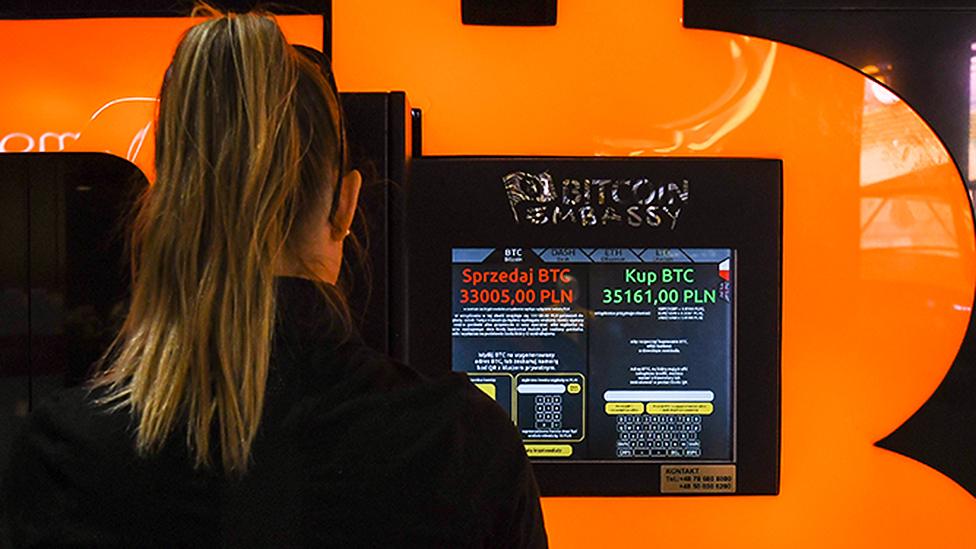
column 239, row 165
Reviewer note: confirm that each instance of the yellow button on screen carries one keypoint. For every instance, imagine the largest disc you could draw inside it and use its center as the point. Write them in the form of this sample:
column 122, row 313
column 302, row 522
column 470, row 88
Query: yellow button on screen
column 573, row 388
column 548, row 450
column 672, row 408
column 618, row 408
column 488, row 388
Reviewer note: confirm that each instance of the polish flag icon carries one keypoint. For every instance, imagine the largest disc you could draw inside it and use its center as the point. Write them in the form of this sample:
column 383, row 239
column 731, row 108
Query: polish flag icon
column 724, row 269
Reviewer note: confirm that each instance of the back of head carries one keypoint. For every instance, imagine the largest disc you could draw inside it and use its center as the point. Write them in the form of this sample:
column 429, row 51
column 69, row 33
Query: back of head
column 248, row 154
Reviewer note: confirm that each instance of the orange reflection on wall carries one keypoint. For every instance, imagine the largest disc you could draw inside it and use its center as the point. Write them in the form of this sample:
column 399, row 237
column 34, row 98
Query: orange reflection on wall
column 94, row 81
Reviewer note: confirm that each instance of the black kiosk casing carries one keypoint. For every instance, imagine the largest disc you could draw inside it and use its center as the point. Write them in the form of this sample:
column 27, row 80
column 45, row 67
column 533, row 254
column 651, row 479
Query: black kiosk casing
column 380, row 129
column 507, row 204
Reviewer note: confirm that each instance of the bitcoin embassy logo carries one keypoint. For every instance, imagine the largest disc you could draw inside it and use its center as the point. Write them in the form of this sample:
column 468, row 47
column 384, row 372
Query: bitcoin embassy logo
column 536, row 199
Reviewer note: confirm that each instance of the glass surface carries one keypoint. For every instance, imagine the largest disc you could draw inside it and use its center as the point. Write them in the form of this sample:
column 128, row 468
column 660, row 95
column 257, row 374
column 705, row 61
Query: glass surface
column 64, row 277
column 14, row 288
column 601, row 353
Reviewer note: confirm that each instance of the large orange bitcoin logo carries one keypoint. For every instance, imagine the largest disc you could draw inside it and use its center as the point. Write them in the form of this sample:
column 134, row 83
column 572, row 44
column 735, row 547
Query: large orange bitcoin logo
column 878, row 263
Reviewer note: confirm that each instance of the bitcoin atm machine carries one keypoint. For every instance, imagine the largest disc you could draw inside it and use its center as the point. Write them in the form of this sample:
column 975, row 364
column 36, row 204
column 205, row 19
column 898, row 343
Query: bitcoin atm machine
column 624, row 312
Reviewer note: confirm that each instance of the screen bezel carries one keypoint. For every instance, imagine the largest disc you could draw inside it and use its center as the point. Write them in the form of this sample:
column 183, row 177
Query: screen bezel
column 457, row 202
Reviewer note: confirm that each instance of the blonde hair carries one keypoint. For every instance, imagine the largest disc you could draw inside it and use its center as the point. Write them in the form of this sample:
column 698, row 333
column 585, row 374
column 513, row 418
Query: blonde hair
column 248, row 147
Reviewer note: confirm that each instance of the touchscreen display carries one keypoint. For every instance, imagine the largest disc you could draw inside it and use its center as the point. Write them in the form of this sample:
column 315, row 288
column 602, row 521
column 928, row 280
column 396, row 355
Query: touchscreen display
column 602, row 353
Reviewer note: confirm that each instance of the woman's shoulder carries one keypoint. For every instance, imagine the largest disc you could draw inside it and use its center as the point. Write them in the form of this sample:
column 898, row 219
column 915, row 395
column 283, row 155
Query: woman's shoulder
column 434, row 451
column 71, row 440
column 378, row 393
column 71, row 420
column 72, row 473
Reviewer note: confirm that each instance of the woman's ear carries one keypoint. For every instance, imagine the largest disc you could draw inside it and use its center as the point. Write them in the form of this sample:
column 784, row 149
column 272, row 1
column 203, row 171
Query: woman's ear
column 345, row 211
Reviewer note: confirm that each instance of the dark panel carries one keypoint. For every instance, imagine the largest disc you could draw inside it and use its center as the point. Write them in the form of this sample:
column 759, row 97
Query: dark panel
column 14, row 307
column 79, row 272
column 404, row 128
column 63, row 280
column 367, row 129
column 518, row 13
column 417, row 145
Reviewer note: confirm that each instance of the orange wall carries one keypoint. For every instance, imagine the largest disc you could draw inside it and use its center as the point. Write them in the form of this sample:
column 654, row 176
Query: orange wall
column 878, row 238
column 878, row 244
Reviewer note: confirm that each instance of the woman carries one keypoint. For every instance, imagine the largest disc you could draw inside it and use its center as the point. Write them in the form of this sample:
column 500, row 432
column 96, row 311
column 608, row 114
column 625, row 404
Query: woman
column 237, row 405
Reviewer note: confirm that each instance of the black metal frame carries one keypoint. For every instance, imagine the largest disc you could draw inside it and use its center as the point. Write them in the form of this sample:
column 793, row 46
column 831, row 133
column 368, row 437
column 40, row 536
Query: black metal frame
column 84, row 9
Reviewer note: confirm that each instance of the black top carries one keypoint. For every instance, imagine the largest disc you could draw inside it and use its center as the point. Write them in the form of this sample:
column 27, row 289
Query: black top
column 354, row 450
